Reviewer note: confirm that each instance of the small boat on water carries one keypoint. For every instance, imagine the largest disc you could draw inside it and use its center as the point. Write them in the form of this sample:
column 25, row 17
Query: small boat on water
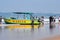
column 27, row 19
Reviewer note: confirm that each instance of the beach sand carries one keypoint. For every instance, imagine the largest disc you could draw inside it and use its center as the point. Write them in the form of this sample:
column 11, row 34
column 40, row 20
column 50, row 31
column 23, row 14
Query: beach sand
column 52, row 38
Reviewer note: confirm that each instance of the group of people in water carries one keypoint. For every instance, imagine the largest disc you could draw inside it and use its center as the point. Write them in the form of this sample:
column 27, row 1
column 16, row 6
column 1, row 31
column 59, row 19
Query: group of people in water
column 51, row 19
column 40, row 20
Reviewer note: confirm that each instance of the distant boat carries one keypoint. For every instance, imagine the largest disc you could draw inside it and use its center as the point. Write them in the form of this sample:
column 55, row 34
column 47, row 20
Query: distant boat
column 27, row 19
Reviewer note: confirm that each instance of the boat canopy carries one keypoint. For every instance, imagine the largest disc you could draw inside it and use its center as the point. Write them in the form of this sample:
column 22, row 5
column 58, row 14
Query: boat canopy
column 22, row 13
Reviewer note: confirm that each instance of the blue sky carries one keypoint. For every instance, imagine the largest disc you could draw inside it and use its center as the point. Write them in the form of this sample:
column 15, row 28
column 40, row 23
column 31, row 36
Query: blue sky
column 36, row 6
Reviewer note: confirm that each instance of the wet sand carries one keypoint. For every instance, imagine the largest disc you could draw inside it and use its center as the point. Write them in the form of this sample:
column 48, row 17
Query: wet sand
column 52, row 38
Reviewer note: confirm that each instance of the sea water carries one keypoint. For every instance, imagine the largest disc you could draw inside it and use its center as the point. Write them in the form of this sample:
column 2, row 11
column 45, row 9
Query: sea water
column 28, row 33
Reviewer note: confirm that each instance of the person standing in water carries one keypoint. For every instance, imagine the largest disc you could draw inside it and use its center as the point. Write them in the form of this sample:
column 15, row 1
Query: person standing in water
column 42, row 19
column 39, row 20
column 52, row 22
column 59, row 19
column 54, row 18
column 32, row 23
column 0, row 19
column 51, row 19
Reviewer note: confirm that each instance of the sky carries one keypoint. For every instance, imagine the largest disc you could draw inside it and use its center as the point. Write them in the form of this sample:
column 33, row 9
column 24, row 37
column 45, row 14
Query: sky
column 35, row 6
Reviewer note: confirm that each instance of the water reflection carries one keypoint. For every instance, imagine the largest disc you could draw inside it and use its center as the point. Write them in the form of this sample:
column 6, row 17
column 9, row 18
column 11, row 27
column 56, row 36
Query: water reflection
column 24, row 27
column 28, row 32
column 59, row 25
column 38, row 26
column 52, row 25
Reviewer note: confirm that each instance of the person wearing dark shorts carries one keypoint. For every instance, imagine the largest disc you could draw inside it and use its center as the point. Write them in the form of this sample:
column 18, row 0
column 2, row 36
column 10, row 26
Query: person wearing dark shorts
column 59, row 18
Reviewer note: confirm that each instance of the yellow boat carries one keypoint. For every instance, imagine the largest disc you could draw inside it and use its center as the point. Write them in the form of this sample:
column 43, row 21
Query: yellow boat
column 27, row 19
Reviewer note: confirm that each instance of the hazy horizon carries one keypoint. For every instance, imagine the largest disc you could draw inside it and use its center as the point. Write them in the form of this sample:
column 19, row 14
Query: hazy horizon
column 11, row 14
